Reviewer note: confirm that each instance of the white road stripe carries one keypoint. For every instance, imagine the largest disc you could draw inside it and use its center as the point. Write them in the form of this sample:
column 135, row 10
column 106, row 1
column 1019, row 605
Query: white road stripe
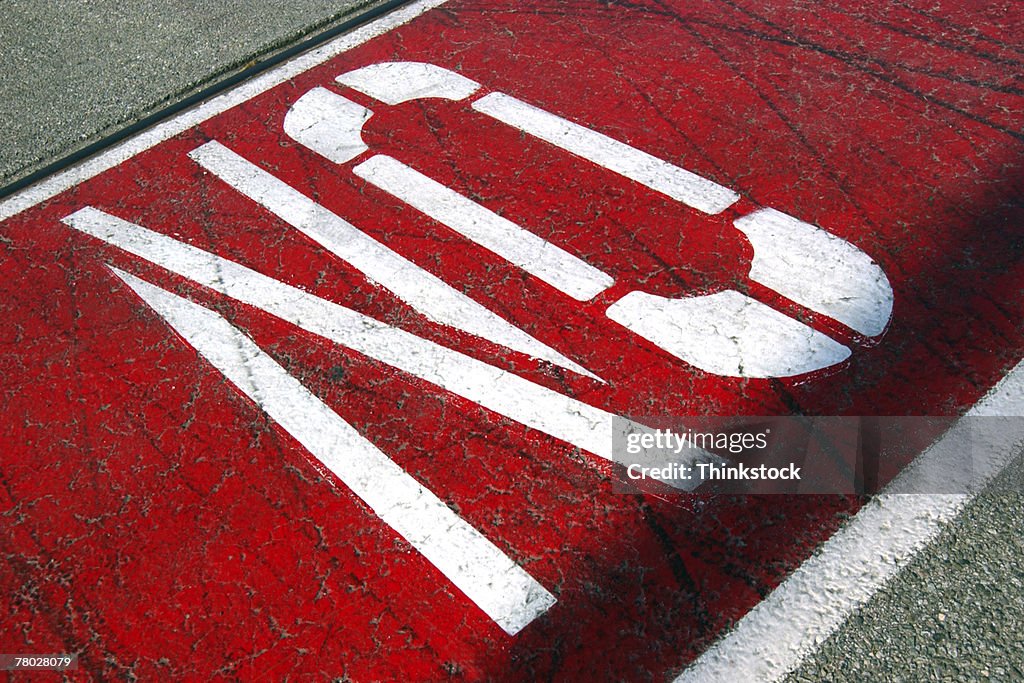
column 775, row 636
column 507, row 394
column 728, row 333
column 328, row 123
column 519, row 246
column 502, row 589
column 57, row 183
column 818, row 270
column 415, row 286
column 657, row 174
column 397, row 82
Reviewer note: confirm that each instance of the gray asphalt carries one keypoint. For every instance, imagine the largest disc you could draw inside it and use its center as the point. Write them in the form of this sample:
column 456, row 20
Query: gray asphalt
column 956, row 613
column 76, row 70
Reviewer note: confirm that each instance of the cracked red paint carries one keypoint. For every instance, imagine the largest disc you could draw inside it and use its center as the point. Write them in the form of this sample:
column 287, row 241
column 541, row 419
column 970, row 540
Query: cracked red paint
column 157, row 522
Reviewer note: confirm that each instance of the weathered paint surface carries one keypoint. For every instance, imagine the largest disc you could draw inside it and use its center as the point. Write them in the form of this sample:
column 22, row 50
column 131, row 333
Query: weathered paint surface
column 158, row 521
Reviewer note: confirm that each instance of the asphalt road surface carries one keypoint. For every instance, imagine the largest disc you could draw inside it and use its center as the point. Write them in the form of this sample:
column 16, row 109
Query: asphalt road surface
column 956, row 613
column 79, row 70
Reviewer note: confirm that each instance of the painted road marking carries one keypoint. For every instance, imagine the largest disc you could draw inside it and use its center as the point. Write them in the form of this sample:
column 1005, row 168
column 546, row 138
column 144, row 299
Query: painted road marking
column 505, row 593
column 397, row 82
column 750, row 338
column 782, row 630
column 634, row 575
column 535, row 255
column 818, row 270
column 517, row 398
column 488, row 577
column 626, row 160
column 59, row 182
column 726, row 333
column 329, row 123
column 410, row 283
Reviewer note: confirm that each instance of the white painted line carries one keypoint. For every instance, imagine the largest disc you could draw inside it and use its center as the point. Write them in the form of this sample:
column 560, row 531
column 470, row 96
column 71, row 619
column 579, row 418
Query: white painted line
column 415, row 286
column 775, row 636
column 519, row 399
column 397, row 82
column 657, row 174
column 728, row 333
column 535, row 255
column 818, row 270
column 329, row 123
column 488, row 577
column 55, row 184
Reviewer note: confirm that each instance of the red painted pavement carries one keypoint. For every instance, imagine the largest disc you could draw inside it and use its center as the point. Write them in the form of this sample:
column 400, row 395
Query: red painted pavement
column 155, row 521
